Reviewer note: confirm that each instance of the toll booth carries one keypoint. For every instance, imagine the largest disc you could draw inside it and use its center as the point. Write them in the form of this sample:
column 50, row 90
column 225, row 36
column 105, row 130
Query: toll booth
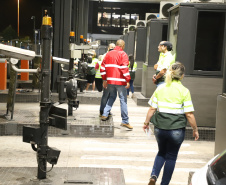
column 125, row 38
column 129, row 39
column 131, row 42
column 156, row 32
column 197, row 32
column 139, row 53
column 220, row 143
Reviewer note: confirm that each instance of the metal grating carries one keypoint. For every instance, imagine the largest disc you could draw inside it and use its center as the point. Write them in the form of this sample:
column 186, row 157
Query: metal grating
column 83, row 126
column 27, row 96
column 62, row 176
column 205, row 133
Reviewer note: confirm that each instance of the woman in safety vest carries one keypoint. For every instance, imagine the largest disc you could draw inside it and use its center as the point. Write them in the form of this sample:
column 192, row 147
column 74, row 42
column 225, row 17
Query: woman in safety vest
column 92, row 60
column 132, row 70
column 98, row 78
column 171, row 108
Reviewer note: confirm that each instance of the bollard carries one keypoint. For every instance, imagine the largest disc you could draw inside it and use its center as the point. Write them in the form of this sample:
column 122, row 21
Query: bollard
column 3, row 74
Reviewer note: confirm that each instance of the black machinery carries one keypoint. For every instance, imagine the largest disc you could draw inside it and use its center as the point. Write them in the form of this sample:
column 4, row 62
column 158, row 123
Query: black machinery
column 76, row 75
column 49, row 114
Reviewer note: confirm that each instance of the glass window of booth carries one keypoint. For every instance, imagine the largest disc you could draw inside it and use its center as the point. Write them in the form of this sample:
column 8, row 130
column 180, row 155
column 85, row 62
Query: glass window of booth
column 133, row 19
column 115, row 19
column 209, row 41
column 104, row 19
column 125, row 20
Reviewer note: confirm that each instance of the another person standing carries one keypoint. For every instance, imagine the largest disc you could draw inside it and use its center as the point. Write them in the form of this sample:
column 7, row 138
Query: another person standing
column 106, row 92
column 171, row 108
column 91, row 70
column 116, row 77
column 165, row 60
column 98, row 78
column 132, row 71
column 111, row 47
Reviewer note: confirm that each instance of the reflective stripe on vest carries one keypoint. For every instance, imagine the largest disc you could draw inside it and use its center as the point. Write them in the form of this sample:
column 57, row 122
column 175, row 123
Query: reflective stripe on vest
column 134, row 67
column 173, row 99
column 98, row 74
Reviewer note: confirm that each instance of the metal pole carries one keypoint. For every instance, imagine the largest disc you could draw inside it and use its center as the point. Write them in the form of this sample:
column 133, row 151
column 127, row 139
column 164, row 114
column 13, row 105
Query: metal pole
column 45, row 104
column 18, row 19
column 71, row 73
column 34, row 30
column 33, row 17
column 39, row 43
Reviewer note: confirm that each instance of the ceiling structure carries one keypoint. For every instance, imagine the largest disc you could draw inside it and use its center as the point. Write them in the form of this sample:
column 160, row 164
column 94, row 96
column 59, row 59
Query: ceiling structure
column 140, row 1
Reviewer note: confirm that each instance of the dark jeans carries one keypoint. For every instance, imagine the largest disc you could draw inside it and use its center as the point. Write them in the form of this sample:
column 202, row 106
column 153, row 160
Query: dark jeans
column 169, row 142
column 99, row 84
column 113, row 89
column 131, row 87
column 104, row 99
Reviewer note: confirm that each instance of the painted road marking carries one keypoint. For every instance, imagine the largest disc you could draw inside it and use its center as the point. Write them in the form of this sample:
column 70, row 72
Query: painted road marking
column 133, row 167
column 131, row 150
column 127, row 158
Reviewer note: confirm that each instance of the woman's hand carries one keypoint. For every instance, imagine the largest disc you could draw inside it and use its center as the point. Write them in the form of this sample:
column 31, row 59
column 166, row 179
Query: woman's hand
column 191, row 119
column 196, row 134
column 145, row 127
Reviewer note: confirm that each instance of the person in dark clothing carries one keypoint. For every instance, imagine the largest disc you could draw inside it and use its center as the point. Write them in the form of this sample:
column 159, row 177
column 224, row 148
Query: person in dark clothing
column 91, row 70
column 98, row 78
column 132, row 70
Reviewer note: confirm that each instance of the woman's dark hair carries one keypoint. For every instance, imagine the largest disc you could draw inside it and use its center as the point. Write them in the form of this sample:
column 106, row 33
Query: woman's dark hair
column 169, row 48
column 131, row 59
column 168, row 45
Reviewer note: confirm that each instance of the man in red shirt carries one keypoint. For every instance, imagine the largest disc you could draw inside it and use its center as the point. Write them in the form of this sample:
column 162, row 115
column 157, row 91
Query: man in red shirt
column 115, row 74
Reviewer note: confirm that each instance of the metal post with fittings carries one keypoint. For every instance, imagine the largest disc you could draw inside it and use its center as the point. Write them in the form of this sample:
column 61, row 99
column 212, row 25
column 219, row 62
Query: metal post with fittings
column 45, row 104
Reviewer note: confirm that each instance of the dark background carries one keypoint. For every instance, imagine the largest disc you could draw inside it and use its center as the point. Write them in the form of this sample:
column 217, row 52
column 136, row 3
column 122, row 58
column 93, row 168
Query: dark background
column 28, row 8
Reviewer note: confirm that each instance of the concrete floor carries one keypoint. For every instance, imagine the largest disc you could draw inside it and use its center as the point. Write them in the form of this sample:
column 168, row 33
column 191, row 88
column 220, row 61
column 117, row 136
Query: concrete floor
column 131, row 151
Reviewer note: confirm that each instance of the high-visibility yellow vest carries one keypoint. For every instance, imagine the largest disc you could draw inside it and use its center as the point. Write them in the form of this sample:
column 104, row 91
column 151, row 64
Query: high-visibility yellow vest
column 133, row 71
column 172, row 102
column 91, row 67
column 165, row 61
column 98, row 75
